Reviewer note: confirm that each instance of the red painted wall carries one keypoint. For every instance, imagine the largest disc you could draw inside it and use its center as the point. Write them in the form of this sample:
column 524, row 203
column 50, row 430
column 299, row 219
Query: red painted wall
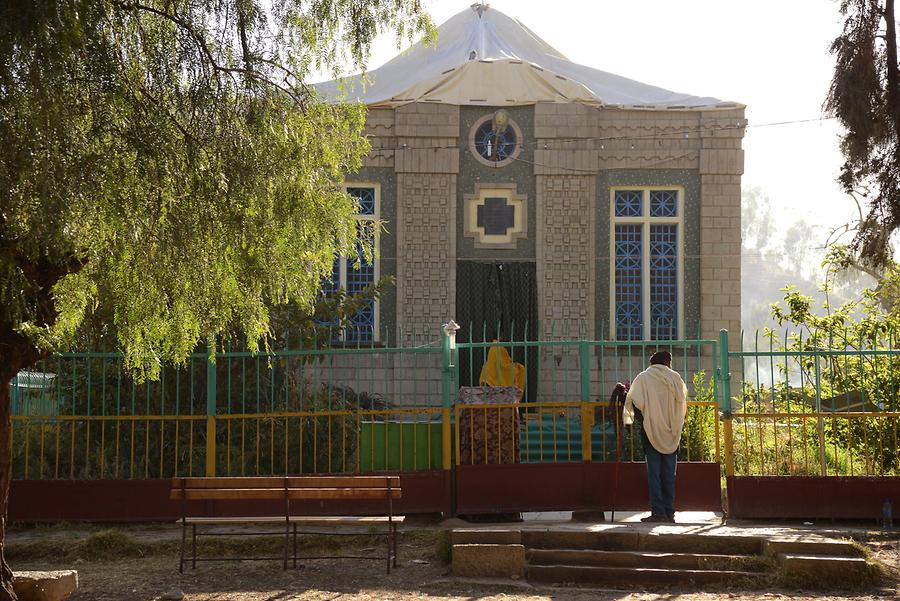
column 843, row 497
column 579, row 486
column 148, row 500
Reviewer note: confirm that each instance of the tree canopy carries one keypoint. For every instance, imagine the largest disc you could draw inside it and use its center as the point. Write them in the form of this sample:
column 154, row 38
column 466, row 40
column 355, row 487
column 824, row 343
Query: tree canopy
column 865, row 98
column 166, row 160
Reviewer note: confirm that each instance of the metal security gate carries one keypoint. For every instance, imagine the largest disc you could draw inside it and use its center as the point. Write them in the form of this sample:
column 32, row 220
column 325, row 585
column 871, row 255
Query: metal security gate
column 812, row 430
column 568, row 450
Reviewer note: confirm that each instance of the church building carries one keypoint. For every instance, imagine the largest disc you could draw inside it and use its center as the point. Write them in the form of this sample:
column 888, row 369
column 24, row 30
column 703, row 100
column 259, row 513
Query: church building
column 554, row 199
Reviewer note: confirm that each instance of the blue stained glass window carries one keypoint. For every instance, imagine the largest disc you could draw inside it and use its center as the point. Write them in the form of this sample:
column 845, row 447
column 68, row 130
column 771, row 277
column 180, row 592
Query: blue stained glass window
column 360, row 274
column 629, row 297
column 629, row 203
column 663, row 203
column 354, row 275
column 663, row 282
column 366, row 199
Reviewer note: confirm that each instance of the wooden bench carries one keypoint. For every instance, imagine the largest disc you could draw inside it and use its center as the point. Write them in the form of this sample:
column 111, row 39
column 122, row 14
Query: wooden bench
column 285, row 489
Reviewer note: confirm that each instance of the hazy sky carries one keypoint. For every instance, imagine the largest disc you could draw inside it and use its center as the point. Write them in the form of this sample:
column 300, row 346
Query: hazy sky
column 771, row 55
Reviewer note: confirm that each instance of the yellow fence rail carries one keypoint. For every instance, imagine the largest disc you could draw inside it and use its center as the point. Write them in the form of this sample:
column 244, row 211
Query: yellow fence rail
column 404, row 439
column 497, row 433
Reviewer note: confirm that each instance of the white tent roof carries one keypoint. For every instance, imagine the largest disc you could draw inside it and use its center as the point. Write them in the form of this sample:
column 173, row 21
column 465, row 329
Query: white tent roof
column 483, row 57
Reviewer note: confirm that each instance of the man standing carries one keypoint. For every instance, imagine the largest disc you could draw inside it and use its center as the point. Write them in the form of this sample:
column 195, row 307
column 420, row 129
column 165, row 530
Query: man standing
column 659, row 395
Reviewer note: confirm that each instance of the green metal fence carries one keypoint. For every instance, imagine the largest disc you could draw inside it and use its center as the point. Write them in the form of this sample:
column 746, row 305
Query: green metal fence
column 820, row 404
column 574, row 419
column 340, row 409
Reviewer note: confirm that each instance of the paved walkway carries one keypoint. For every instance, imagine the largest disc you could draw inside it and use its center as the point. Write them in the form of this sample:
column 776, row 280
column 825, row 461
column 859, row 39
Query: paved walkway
column 687, row 522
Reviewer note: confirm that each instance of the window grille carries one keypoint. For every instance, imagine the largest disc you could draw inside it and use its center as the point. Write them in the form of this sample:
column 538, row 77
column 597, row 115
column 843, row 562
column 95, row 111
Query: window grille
column 629, row 301
column 646, row 278
column 663, row 282
column 354, row 275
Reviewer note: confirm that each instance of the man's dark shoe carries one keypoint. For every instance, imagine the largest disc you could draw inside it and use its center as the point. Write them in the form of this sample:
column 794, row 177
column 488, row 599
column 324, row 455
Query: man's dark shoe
column 655, row 519
column 670, row 518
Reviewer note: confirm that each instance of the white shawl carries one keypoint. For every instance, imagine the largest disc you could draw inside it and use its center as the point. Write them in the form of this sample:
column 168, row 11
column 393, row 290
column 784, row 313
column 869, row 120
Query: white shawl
column 661, row 395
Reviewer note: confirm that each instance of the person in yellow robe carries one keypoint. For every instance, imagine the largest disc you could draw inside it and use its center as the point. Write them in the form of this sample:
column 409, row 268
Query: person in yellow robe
column 500, row 370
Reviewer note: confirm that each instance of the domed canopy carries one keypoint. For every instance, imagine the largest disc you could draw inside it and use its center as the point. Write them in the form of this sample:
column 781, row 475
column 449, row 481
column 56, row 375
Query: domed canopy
column 483, row 57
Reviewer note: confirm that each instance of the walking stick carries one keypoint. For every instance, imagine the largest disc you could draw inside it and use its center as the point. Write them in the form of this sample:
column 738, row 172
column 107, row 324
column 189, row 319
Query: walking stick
column 617, row 396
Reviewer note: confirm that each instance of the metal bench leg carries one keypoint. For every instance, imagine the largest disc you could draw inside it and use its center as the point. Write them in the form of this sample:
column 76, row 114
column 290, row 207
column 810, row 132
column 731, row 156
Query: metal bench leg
column 295, row 546
column 389, row 553
column 183, row 540
column 287, row 542
column 287, row 522
column 394, row 537
column 193, row 546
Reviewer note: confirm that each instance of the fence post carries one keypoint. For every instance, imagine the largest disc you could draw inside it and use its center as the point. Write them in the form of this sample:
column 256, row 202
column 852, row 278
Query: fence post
column 211, row 409
column 447, row 397
column 15, row 394
column 724, row 376
column 587, row 415
column 448, row 347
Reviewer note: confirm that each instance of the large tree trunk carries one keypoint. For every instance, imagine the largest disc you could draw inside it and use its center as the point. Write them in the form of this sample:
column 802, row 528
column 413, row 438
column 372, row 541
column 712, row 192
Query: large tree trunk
column 893, row 69
column 15, row 354
column 6, row 590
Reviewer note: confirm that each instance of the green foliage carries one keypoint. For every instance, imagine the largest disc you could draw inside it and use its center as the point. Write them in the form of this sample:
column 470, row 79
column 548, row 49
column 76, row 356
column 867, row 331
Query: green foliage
column 865, row 97
column 699, row 437
column 164, row 163
column 830, row 402
column 324, row 439
column 296, row 420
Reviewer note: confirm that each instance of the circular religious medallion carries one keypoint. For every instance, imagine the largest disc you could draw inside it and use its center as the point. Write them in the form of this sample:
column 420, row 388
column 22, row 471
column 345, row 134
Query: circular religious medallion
column 495, row 139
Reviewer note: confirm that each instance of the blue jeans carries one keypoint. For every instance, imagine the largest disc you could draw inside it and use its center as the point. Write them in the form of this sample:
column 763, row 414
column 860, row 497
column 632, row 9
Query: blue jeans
column 661, row 480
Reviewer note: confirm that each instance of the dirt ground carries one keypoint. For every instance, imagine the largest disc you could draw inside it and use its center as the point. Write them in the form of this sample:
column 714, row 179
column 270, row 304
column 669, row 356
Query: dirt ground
column 147, row 568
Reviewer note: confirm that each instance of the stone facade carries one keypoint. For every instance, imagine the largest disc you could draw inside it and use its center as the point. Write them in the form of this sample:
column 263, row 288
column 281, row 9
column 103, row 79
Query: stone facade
column 565, row 251
column 426, row 160
column 721, row 167
column 573, row 153
column 426, row 249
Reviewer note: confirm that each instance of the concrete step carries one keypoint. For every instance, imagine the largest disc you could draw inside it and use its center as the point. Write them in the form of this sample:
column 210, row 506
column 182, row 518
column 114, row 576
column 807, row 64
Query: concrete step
column 633, row 576
column 633, row 540
column 488, row 560
column 646, row 559
column 831, row 547
column 493, row 536
column 826, row 568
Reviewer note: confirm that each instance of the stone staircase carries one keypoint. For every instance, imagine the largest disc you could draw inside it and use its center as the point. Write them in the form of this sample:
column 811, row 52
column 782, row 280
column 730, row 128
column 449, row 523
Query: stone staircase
column 631, row 556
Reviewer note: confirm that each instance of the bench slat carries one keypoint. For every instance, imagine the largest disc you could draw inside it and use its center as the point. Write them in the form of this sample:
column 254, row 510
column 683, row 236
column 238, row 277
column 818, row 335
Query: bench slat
column 211, row 494
column 343, row 493
column 345, row 520
column 293, row 482
column 266, row 494
column 307, row 521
